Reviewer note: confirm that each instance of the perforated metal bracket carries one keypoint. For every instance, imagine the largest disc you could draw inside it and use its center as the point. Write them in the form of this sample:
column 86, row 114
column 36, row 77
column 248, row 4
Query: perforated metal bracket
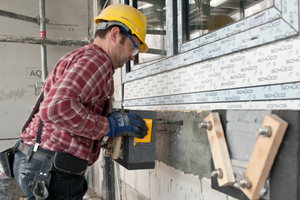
column 219, row 150
column 263, row 155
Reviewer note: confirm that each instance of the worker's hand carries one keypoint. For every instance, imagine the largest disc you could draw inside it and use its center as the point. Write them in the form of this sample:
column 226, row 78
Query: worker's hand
column 126, row 124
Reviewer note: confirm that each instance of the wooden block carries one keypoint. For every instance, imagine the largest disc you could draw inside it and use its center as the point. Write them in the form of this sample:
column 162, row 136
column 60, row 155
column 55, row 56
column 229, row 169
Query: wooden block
column 219, row 149
column 263, row 155
column 115, row 145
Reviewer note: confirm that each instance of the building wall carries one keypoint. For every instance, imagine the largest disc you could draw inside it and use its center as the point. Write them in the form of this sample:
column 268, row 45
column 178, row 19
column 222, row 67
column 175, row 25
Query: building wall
column 262, row 76
column 245, row 71
column 166, row 182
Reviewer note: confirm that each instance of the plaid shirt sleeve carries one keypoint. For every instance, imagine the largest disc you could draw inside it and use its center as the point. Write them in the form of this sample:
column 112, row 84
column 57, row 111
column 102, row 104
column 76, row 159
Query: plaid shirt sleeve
column 75, row 94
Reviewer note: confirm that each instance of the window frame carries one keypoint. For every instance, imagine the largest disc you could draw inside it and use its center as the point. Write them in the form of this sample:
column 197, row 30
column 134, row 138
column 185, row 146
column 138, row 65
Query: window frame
column 277, row 12
column 171, row 40
column 210, row 45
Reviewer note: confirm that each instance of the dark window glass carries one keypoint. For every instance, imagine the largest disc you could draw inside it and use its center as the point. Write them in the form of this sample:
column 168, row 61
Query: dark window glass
column 203, row 16
column 155, row 11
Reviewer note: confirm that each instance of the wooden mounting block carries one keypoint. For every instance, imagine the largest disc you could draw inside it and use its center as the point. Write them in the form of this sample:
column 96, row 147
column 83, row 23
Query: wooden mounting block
column 219, row 149
column 263, row 155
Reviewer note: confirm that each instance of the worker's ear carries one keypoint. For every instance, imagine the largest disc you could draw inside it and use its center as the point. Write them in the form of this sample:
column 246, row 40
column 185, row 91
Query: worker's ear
column 114, row 33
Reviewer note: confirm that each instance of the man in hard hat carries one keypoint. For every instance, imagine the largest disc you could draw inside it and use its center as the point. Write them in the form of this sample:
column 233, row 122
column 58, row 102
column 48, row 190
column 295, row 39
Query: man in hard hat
column 64, row 135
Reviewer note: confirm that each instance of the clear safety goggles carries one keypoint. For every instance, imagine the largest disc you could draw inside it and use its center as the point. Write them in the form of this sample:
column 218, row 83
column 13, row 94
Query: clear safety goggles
column 135, row 49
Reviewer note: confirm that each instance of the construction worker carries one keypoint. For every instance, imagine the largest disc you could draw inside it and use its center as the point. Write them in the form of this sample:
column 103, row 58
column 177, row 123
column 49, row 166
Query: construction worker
column 64, row 135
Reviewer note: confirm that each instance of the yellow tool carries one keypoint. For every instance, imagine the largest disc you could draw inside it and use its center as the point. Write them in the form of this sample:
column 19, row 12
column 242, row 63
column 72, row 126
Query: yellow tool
column 147, row 138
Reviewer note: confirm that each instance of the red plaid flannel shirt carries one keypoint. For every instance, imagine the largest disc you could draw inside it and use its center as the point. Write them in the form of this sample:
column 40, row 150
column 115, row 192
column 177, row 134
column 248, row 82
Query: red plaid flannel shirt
column 74, row 95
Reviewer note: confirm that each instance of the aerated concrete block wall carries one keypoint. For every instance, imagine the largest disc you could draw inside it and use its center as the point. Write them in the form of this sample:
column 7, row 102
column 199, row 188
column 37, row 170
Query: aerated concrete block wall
column 245, row 71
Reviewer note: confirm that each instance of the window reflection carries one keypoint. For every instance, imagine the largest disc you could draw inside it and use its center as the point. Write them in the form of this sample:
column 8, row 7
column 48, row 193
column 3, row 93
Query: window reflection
column 155, row 11
column 204, row 16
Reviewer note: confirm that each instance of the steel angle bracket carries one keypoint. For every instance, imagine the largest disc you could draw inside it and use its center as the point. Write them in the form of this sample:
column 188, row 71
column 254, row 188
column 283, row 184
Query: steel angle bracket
column 265, row 149
column 220, row 155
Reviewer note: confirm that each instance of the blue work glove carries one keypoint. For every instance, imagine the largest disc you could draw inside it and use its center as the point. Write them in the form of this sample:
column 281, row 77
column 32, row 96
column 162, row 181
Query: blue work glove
column 126, row 124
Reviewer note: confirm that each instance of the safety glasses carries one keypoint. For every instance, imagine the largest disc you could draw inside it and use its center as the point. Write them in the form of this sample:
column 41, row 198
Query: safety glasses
column 136, row 49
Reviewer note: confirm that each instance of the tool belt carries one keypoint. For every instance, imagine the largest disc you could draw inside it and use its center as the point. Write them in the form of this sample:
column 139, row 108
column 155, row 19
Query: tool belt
column 51, row 161
column 62, row 162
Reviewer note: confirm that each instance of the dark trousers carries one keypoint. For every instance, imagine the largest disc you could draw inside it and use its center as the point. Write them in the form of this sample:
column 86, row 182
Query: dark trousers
column 62, row 185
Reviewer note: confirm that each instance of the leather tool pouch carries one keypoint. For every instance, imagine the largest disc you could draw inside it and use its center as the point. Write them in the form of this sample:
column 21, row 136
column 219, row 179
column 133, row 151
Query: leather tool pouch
column 68, row 163
column 7, row 160
column 42, row 179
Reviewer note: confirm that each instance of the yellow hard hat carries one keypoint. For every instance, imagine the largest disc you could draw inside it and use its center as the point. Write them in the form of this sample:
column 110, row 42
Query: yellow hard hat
column 131, row 17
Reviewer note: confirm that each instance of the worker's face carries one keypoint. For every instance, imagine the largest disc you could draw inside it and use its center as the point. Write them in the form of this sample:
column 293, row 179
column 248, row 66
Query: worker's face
column 124, row 50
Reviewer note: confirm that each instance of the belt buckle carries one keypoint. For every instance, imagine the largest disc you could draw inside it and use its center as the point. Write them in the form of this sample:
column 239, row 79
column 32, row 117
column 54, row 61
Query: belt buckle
column 36, row 146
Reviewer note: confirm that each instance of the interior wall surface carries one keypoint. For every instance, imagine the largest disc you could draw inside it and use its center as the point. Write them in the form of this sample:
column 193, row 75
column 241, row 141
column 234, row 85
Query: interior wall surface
column 20, row 64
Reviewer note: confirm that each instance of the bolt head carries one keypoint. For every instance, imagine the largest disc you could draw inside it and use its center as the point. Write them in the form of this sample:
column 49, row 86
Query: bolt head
column 207, row 125
column 265, row 131
column 245, row 183
column 217, row 173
